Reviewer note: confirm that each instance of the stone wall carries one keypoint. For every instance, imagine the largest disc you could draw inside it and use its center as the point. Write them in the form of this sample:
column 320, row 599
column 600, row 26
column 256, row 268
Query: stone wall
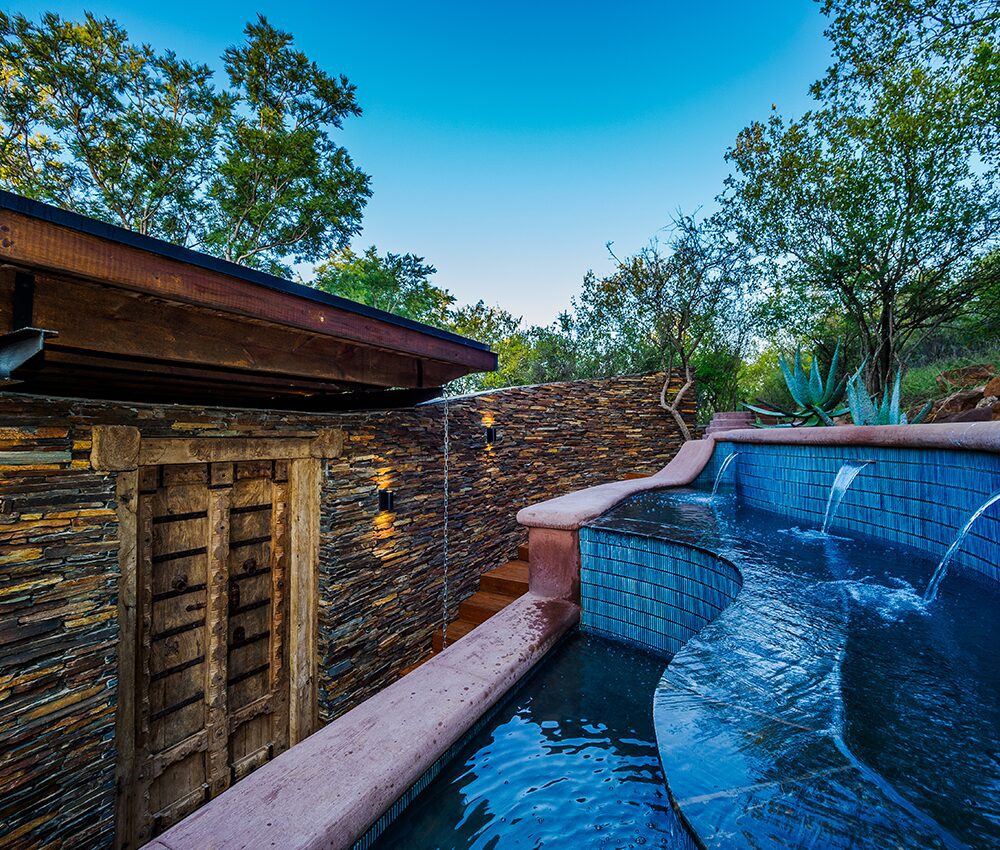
column 384, row 575
column 382, row 588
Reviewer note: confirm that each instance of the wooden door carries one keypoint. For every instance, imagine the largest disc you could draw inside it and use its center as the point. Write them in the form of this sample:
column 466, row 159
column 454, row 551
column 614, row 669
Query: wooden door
column 212, row 682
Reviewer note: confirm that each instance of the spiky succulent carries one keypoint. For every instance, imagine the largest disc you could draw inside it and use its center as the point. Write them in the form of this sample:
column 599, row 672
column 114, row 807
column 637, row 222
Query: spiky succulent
column 818, row 400
column 865, row 409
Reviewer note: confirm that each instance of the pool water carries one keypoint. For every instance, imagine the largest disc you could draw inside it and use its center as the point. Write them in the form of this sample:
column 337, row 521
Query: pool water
column 569, row 761
column 827, row 707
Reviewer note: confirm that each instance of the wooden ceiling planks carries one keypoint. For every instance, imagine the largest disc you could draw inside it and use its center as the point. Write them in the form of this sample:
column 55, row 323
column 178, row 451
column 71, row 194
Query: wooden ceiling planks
column 136, row 319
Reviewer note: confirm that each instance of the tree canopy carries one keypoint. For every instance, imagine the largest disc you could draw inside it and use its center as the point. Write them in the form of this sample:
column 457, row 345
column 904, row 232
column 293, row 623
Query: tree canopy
column 396, row 283
column 878, row 203
column 874, row 216
column 93, row 122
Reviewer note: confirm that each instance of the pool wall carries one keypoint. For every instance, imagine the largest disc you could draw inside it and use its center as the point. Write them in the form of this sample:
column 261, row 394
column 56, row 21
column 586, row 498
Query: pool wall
column 917, row 497
column 927, row 480
column 649, row 591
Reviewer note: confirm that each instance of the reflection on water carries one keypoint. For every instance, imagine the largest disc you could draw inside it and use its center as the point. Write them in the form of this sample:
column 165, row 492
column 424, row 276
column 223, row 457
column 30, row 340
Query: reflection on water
column 829, row 705
column 571, row 762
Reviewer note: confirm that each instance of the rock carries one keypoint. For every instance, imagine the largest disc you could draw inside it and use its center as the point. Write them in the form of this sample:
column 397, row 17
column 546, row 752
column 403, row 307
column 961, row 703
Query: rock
column 966, row 375
column 957, row 402
column 976, row 414
column 992, row 387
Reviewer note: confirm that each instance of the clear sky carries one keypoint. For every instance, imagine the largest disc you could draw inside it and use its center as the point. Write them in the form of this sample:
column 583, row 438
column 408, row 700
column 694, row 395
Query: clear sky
column 508, row 142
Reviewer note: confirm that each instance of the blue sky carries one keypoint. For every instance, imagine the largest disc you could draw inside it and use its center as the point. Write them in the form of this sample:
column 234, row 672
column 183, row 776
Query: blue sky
column 508, row 143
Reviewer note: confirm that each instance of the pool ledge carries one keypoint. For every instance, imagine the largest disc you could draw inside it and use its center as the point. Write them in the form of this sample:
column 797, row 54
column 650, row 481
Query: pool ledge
column 569, row 512
column 328, row 790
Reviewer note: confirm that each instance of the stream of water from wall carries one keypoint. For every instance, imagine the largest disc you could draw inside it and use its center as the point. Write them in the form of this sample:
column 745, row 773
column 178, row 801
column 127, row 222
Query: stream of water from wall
column 444, row 541
column 722, row 471
column 845, row 477
column 942, row 568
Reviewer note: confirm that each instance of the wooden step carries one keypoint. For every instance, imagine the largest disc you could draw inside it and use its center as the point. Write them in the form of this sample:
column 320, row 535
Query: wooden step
column 497, row 589
column 511, row 579
column 522, row 552
column 482, row 605
column 457, row 629
column 416, row 664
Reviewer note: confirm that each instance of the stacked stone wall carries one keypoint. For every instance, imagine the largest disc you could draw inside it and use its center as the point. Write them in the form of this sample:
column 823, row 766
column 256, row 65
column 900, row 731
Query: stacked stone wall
column 382, row 575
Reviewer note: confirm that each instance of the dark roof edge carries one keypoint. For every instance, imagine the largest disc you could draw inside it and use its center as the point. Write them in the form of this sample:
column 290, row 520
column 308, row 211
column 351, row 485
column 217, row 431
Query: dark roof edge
column 113, row 233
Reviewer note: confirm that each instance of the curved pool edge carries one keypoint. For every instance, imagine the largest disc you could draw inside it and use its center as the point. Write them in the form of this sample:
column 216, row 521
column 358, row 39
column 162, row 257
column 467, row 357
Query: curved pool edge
column 557, row 524
column 646, row 634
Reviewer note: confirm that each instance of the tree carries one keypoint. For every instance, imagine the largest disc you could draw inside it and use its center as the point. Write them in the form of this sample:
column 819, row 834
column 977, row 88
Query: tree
column 282, row 186
column 958, row 40
column 502, row 331
column 874, row 209
column 667, row 301
column 396, row 283
column 115, row 130
column 94, row 123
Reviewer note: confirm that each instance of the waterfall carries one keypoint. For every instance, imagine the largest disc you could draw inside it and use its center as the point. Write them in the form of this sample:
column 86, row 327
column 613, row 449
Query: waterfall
column 722, row 471
column 845, row 476
column 942, row 568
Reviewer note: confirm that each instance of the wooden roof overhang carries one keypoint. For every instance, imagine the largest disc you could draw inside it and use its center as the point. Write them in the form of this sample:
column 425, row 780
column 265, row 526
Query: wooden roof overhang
column 90, row 310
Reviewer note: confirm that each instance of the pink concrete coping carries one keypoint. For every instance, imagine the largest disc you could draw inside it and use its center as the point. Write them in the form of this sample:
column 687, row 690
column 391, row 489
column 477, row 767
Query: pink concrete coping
column 571, row 511
column 970, row 436
column 329, row 789
column 574, row 509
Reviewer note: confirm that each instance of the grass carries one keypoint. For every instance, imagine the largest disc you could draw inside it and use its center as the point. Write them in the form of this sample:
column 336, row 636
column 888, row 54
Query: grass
column 919, row 383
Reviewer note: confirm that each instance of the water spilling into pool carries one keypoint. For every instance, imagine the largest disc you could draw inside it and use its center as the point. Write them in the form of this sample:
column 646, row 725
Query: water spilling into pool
column 828, row 706
column 722, row 471
column 942, row 569
column 845, row 477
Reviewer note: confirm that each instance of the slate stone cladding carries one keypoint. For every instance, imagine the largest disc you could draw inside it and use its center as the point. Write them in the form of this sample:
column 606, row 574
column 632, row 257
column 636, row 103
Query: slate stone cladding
column 381, row 575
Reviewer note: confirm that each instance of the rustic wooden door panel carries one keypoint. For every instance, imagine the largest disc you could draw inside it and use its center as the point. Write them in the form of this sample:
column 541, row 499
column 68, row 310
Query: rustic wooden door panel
column 212, row 674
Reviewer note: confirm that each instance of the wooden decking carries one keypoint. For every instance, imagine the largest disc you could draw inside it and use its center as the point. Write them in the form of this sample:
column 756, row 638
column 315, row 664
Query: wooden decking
column 497, row 589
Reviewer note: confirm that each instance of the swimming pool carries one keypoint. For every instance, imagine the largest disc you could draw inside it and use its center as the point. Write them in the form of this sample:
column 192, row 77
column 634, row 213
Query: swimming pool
column 828, row 705
column 811, row 699
column 569, row 761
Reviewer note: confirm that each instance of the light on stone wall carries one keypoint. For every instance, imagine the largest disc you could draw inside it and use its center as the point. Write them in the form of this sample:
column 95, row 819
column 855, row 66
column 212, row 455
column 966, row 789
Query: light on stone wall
column 386, row 499
column 491, row 434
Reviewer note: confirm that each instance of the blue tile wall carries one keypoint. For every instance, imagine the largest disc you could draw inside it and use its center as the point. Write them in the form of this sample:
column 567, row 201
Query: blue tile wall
column 651, row 592
column 915, row 497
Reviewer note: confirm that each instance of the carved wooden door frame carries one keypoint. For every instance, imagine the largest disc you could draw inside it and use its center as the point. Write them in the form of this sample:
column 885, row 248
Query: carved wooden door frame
column 122, row 450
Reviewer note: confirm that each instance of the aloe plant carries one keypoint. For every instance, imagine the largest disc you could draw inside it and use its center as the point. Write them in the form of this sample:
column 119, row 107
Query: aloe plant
column 818, row 399
column 865, row 409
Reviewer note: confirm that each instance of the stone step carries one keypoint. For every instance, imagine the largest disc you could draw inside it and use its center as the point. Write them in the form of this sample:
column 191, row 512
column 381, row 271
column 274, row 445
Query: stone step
column 511, row 579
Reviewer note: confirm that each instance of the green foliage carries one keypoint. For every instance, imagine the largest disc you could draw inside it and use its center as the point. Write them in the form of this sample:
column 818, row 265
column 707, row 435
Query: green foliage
column 876, row 205
column 95, row 123
column 865, row 409
column 503, row 333
column 954, row 39
column 396, row 283
column 818, row 401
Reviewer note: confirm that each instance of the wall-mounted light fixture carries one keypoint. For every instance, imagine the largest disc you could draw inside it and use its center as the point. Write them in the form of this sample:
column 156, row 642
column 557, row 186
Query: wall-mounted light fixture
column 491, row 434
column 386, row 499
